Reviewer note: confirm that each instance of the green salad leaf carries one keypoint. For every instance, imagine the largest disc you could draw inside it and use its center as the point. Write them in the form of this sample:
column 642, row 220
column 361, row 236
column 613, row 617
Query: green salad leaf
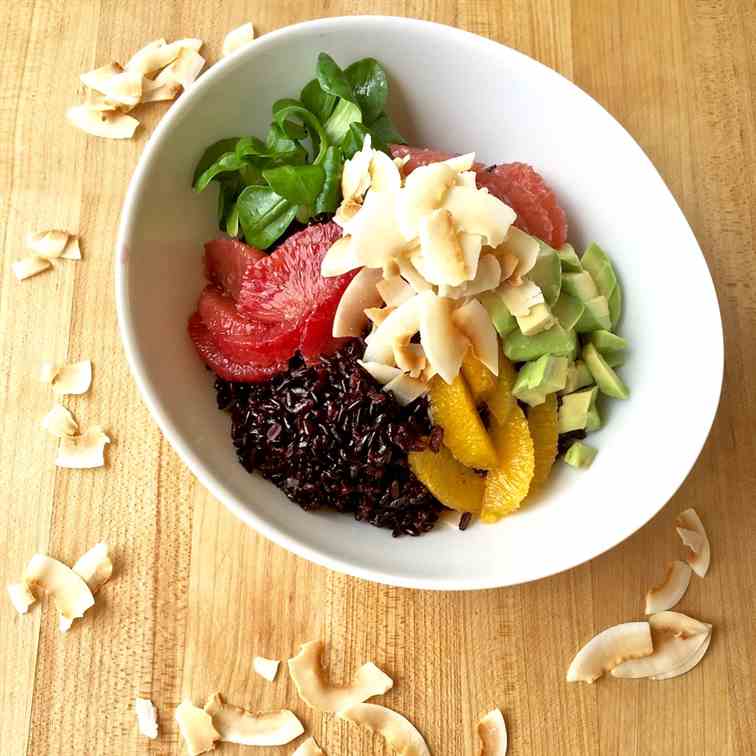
column 299, row 184
column 226, row 163
column 318, row 102
column 264, row 215
column 310, row 121
column 345, row 114
column 332, row 79
column 370, row 86
column 353, row 139
column 330, row 195
column 211, row 154
column 382, row 128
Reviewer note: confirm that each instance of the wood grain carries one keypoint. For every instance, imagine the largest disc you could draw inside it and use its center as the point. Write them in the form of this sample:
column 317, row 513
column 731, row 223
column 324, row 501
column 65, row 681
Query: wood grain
column 196, row 594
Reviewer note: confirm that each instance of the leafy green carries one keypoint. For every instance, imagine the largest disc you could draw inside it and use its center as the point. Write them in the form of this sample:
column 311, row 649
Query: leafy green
column 299, row 184
column 264, row 215
column 228, row 161
column 343, row 116
column 354, row 138
column 232, row 221
column 211, row 154
column 330, row 196
column 310, row 121
column 385, row 130
column 294, row 130
column 370, row 86
column 281, row 144
column 318, row 102
column 332, row 79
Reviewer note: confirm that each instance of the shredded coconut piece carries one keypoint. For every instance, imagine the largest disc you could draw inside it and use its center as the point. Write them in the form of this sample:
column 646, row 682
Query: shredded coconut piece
column 30, row 266
column 60, row 422
column 21, row 597
column 238, row 38
column 267, row 668
column 146, row 717
column 83, row 452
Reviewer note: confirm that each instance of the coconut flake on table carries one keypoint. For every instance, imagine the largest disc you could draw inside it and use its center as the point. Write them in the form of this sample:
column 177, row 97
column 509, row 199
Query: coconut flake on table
column 492, row 730
column 101, row 123
column 21, row 597
column 158, row 54
column 94, row 567
column 400, row 734
column 116, row 83
column 60, row 422
column 671, row 590
column 693, row 535
column 184, row 69
column 73, row 378
column 238, row 38
column 309, row 747
column 30, row 266
column 266, row 668
column 196, row 728
column 83, row 452
column 146, row 718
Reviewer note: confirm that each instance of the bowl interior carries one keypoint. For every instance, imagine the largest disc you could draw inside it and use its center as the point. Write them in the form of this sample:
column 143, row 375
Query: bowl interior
column 455, row 91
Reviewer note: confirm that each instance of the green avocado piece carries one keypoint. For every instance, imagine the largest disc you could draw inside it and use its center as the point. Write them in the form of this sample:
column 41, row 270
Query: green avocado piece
column 574, row 410
column 503, row 320
column 535, row 380
column 614, row 357
column 615, row 305
column 606, row 341
column 580, row 285
column 596, row 315
column 521, row 348
column 580, row 455
column 606, row 379
column 547, row 273
column 569, row 259
column 540, row 318
column 568, row 310
column 578, row 376
column 593, row 421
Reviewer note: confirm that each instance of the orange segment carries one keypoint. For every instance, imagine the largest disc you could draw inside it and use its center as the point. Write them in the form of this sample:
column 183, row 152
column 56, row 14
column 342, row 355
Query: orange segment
column 501, row 401
column 542, row 421
column 508, row 485
column 480, row 380
column 464, row 433
column 453, row 484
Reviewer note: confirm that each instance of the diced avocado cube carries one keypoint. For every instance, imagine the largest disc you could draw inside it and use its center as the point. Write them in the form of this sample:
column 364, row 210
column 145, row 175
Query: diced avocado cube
column 521, row 348
column 578, row 376
column 580, row 285
column 536, row 380
column 568, row 310
column 615, row 305
column 593, row 421
column 580, row 455
column 606, row 379
column 614, row 357
column 573, row 412
column 540, row 318
column 598, row 264
column 569, row 259
column 606, row 341
column 503, row 320
column 547, row 273
column 595, row 316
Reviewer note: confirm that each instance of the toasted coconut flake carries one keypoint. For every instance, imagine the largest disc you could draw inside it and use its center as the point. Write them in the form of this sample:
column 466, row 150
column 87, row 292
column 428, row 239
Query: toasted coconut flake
column 75, row 378
column 509, row 264
column 152, row 57
column 474, row 322
column 375, row 234
column 154, row 92
column 383, row 374
column 196, row 728
column 475, row 211
column 242, row 727
column 340, row 258
column 519, row 299
column 146, row 718
column 83, row 452
column 94, row 567
column 442, row 341
column 461, row 163
column 487, row 277
column 361, row 294
column 355, row 176
column 319, row 694
column 96, row 101
column 70, row 593
column 410, row 358
column 72, row 250
column 30, row 266
column 238, row 38
column 669, row 592
column 394, row 291
column 441, row 249
column 699, row 556
column 184, row 70
column 376, row 315
column 118, row 85
column 346, row 212
column 400, row 734
column 402, row 323
column 406, row 389
column 677, row 639
column 106, row 124
column 424, row 191
column 310, row 747
column 48, row 244
column 267, row 668
column 493, row 734
column 384, row 175
column 608, row 649
column 412, row 276
column 466, row 178
column 21, row 597
column 60, row 422
column 523, row 247
column 47, row 372
column 688, row 664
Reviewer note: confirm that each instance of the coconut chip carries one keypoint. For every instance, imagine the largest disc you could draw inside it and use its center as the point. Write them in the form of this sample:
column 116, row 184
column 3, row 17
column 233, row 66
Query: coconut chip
column 444, row 344
column 410, row 358
column 94, row 567
column 239, row 726
column 406, row 389
column 196, row 728
column 119, row 85
column 608, row 649
column 48, row 244
column 677, row 640
column 350, row 318
column 72, row 250
column 309, row 748
column 267, row 668
column 671, row 590
column 30, row 266
column 21, row 597
column 146, row 718
column 493, row 734
column 60, row 422
column 68, row 590
column 108, row 124
column 157, row 54
column 339, row 259
column 83, row 452
column 318, row 693
column 394, row 291
column 693, row 535
column 382, row 374
column 400, row 734
column 74, row 378
column 238, row 38
column 184, row 70
column 155, row 92
column 474, row 322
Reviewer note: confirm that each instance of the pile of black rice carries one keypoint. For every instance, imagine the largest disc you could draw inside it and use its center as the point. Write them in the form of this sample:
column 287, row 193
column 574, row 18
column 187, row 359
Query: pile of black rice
column 330, row 438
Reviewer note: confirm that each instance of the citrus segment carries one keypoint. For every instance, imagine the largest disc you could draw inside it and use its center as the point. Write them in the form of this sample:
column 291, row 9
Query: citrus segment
column 453, row 484
column 465, row 435
column 480, row 380
column 502, row 401
column 542, row 421
column 508, row 484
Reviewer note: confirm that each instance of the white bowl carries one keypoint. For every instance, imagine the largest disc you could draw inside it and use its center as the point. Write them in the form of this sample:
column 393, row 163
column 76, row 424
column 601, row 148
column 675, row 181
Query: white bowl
column 454, row 91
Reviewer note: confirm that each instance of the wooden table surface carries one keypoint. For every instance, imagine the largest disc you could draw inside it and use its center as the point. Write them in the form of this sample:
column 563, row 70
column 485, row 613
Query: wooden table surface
column 195, row 594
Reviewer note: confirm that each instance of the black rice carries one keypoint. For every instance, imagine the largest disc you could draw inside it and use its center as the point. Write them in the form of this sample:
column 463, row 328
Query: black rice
column 566, row 439
column 330, row 438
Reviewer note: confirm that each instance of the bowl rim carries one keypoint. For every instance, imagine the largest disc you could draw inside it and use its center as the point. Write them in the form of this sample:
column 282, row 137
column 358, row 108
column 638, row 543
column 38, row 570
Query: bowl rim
column 198, row 468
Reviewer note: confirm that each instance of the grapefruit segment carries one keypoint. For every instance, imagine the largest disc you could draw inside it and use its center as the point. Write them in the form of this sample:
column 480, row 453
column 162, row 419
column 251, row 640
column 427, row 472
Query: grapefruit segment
column 227, row 261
